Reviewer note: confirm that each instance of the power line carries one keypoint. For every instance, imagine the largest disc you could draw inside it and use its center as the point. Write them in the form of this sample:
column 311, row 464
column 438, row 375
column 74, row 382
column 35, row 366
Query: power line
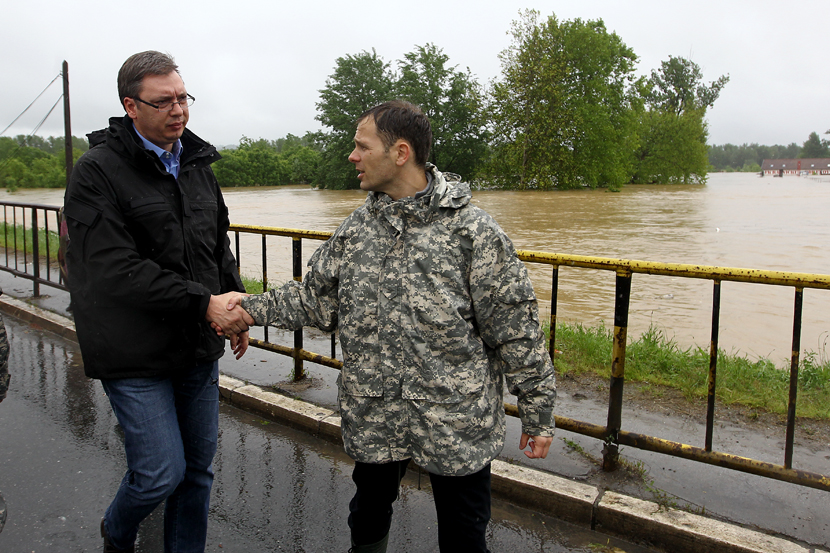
column 30, row 105
column 42, row 121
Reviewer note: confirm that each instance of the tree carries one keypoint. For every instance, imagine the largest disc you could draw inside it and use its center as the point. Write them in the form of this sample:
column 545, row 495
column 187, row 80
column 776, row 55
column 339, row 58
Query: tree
column 31, row 166
column 358, row 83
column 673, row 128
column 564, row 112
column 253, row 163
column 452, row 100
column 815, row 147
column 304, row 163
column 14, row 174
column 673, row 148
column 677, row 87
column 51, row 145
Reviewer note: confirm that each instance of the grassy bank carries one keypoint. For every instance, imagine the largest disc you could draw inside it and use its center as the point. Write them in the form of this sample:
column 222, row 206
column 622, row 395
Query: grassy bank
column 13, row 237
column 655, row 359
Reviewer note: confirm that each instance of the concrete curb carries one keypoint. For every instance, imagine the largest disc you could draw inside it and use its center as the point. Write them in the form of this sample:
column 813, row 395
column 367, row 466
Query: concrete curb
column 47, row 320
column 609, row 512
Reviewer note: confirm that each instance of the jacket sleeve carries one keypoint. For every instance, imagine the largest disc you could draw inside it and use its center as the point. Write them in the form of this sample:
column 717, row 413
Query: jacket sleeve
column 508, row 317
column 103, row 257
column 312, row 302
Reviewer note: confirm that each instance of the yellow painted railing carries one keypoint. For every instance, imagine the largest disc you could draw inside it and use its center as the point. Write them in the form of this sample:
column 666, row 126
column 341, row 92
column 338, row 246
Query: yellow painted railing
column 612, row 434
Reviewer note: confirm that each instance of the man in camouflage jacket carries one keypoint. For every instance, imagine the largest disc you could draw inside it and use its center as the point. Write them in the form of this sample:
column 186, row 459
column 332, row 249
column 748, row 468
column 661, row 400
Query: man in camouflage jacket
column 435, row 311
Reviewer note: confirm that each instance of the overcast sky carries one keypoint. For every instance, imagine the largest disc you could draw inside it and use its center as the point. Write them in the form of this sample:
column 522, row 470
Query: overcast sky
column 256, row 66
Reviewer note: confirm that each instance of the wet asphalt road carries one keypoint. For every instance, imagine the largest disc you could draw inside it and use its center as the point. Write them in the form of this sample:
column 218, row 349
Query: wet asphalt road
column 277, row 489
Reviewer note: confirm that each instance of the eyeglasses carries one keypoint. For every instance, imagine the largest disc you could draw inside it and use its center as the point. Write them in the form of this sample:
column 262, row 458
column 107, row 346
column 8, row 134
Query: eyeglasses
column 167, row 106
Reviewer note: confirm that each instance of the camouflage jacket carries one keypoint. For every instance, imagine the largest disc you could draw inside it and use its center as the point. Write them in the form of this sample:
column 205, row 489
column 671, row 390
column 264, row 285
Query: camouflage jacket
column 434, row 311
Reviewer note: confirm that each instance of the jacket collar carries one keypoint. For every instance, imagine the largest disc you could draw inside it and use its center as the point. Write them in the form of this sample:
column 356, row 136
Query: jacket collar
column 448, row 193
column 121, row 137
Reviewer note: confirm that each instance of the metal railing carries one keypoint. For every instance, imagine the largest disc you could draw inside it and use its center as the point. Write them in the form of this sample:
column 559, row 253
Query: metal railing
column 31, row 237
column 612, row 433
column 29, row 257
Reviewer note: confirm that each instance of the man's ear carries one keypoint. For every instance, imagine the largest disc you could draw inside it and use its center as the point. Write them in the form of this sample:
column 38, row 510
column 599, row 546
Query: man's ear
column 403, row 152
column 130, row 107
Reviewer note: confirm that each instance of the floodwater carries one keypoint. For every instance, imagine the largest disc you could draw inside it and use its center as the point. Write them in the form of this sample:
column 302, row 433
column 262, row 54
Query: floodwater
column 736, row 220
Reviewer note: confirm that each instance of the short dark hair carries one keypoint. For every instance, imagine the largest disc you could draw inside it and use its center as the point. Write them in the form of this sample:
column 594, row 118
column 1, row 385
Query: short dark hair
column 132, row 73
column 400, row 119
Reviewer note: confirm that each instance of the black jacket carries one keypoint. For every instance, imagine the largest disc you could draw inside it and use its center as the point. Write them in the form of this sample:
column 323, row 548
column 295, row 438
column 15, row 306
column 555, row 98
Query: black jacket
column 146, row 251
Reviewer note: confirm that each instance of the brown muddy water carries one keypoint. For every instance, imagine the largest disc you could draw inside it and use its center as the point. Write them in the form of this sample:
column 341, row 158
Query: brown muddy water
column 735, row 220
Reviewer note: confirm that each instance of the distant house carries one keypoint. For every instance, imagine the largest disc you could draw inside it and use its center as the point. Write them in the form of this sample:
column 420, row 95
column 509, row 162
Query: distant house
column 781, row 167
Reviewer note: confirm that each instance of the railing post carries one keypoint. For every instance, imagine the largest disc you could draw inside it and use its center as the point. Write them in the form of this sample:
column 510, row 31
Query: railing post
column 713, row 367
column 264, row 278
column 238, row 261
column 6, row 233
column 788, row 446
column 610, row 452
column 35, row 255
column 297, row 255
column 554, row 296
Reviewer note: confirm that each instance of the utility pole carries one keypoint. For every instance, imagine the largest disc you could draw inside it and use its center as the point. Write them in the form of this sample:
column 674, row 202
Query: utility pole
column 67, row 125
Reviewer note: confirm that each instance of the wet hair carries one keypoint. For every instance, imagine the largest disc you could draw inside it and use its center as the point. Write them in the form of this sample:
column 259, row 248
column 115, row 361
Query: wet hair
column 400, row 119
column 132, row 73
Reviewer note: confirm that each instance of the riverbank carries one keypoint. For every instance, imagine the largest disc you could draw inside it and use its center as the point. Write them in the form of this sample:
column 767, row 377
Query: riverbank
column 661, row 368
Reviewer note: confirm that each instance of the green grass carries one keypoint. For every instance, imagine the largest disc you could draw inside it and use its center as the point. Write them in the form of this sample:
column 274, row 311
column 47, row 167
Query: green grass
column 656, row 359
column 252, row 285
column 12, row 236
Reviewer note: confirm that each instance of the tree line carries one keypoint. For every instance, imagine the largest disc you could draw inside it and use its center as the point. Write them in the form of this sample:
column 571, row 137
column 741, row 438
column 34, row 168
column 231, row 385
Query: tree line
column 567, row 111
column 36, row 162
column 749, row 157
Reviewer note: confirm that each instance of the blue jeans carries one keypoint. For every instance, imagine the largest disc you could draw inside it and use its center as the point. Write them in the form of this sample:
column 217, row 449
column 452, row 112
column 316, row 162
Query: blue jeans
column 171, row 430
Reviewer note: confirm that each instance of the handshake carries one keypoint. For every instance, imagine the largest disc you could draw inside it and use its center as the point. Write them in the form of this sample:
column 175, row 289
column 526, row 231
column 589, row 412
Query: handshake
column 226, row 316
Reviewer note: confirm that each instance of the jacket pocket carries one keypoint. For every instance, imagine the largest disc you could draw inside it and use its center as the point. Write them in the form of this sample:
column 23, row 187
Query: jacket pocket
column 439, row 381
column 80, row 217
column 150, row 204
column 361, row 380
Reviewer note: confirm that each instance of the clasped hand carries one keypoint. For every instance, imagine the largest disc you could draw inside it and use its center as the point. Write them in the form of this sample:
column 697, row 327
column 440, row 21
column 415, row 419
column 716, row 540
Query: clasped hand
column 227, row 317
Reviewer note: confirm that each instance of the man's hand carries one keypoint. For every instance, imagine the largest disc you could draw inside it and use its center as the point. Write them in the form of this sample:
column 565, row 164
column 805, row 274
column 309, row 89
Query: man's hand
column 235, row 321
column 239, row 343
column 539, row 445
column 235, row 300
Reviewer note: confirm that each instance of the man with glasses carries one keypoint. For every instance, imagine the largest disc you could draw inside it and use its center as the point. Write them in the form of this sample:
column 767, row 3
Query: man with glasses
column 150, row 260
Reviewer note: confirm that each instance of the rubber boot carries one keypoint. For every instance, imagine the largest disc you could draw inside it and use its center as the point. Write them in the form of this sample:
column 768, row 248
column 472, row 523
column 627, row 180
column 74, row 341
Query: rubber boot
column 377, row 547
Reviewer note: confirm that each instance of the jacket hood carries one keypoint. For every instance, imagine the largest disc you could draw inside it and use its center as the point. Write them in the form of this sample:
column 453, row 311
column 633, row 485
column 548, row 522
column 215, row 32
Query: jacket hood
column 449, row 191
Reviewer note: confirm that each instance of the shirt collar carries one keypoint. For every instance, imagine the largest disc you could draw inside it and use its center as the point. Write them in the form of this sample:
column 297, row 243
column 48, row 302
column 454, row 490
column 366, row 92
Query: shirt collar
column 169, row 159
